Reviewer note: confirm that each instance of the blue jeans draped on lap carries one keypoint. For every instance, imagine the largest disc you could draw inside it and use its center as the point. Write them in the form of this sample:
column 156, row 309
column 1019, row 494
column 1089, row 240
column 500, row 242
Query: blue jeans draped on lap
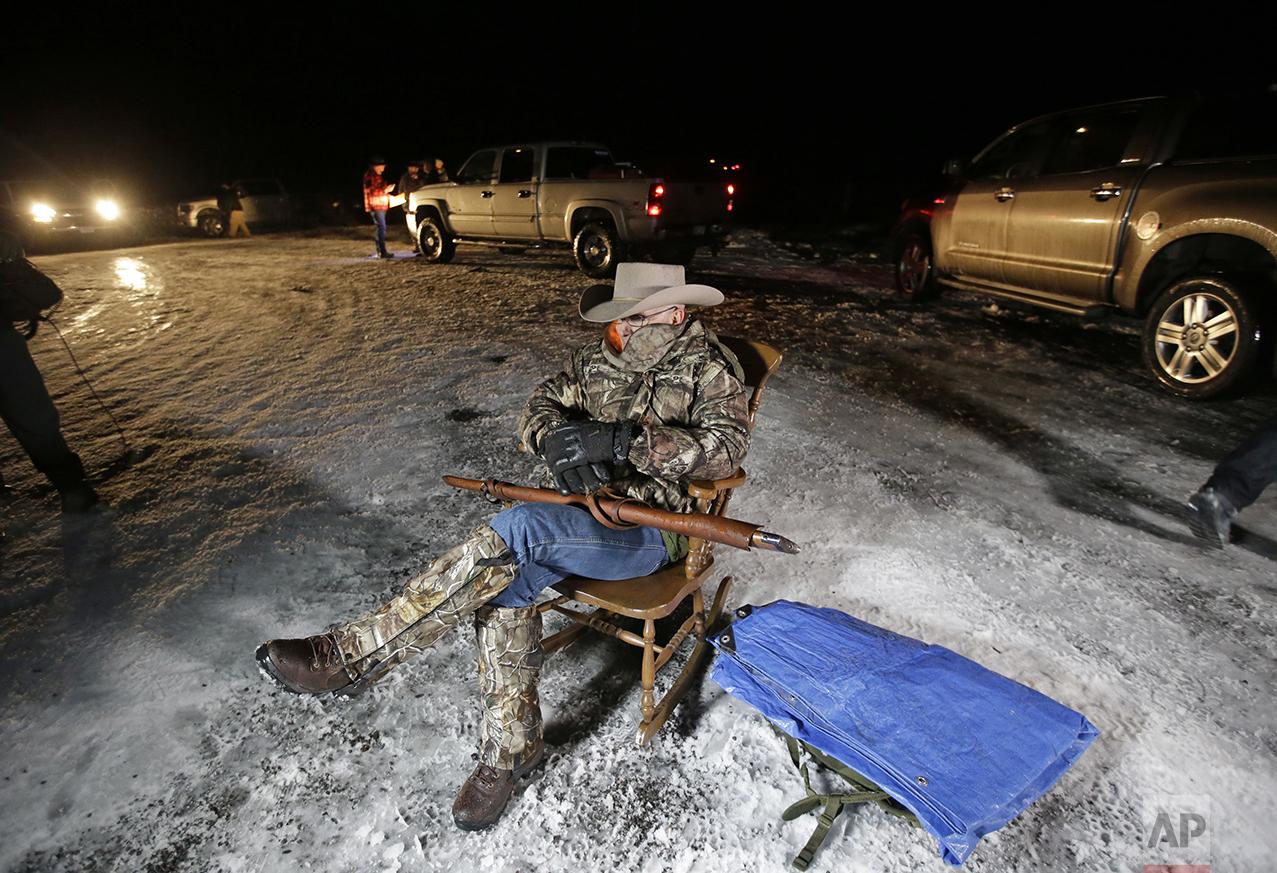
column 552, row 542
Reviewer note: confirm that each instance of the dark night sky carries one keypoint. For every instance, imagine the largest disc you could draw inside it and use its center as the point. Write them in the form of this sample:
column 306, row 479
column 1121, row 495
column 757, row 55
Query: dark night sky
column 848, row 110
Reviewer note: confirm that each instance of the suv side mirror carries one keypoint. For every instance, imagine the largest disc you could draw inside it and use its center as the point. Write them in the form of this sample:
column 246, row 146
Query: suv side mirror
column 954, row 167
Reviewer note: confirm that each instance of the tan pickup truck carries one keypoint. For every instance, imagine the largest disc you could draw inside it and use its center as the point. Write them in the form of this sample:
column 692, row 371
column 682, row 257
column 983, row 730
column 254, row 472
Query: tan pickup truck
column 569, row 194
column 1162, row 208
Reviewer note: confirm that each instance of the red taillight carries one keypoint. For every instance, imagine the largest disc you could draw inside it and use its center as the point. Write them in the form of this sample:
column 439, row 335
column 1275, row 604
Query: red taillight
column 655, row 194
column 731, row 189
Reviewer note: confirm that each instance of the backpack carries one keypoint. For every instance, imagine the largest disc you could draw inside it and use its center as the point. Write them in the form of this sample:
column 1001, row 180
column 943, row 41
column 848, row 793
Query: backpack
column 25, row 292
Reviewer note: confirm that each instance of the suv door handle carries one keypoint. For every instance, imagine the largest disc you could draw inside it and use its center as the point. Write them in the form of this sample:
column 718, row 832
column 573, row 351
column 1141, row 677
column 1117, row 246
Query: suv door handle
column 524, row 194
column 486, row 194
column 1002, row 195
column 1107, row 191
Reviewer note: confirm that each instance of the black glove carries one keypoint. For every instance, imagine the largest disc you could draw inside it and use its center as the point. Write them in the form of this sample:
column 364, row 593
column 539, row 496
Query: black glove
column 581, row 454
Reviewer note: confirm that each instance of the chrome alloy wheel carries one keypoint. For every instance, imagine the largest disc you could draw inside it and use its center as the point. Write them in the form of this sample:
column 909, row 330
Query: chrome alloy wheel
column 1197, row 338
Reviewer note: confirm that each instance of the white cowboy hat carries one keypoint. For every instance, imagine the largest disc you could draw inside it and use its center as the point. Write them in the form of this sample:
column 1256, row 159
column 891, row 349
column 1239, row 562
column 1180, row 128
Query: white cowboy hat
column 640, row 287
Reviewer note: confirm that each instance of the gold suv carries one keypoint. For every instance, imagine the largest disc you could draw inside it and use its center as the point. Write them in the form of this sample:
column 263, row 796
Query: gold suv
column 1162, row 208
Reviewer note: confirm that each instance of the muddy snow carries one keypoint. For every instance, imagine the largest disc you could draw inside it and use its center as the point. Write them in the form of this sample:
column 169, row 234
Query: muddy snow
column 1000, row 481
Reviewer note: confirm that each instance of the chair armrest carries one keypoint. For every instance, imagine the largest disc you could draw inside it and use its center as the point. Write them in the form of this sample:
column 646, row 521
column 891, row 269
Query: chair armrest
column 708, row 489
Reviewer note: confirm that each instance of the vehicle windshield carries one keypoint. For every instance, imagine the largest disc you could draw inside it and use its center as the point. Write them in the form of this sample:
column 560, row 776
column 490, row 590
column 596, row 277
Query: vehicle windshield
column 478, row 170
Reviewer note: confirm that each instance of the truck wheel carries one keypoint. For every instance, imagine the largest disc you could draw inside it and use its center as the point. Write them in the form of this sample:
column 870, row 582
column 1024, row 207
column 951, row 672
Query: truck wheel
column 211, row 223
column 1201, row 337
column 596, row 252
column 436, row 246
column 914, row 271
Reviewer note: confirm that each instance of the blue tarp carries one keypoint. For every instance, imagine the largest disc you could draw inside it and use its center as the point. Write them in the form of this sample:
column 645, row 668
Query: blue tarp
column 963, row 748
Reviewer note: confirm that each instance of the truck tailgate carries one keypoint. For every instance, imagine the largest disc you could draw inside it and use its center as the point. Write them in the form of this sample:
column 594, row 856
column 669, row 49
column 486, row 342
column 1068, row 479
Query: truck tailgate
column 694, row 203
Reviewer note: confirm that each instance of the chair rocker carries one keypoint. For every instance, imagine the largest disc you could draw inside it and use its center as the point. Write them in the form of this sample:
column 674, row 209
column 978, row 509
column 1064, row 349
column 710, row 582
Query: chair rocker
column 653, row 597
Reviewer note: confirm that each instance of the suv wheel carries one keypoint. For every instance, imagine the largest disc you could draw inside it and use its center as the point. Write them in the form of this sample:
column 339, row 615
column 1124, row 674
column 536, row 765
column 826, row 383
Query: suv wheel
column 914, row 277
column 1201, row 337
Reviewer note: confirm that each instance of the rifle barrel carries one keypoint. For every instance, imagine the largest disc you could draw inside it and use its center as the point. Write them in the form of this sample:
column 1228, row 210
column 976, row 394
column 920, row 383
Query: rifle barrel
column 728, row 531
column 774, row 542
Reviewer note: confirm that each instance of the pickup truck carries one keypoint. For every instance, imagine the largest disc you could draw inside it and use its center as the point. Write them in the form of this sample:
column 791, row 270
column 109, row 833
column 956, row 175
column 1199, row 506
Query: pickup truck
column 1160, row 208
column 265, row 202
column 569, row 194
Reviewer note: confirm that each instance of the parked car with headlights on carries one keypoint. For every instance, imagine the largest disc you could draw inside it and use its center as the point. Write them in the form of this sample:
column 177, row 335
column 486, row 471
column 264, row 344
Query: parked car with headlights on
column 50, row 208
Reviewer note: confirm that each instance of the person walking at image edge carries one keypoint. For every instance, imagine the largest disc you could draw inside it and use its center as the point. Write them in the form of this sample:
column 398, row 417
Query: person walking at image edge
column 228, row 201
column 1238, row 480
column 377, row 201
column 656, row 403
column 25, row 405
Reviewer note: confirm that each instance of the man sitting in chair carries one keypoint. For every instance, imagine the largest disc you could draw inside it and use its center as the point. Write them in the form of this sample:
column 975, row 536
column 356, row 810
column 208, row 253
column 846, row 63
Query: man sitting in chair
column 657, row 403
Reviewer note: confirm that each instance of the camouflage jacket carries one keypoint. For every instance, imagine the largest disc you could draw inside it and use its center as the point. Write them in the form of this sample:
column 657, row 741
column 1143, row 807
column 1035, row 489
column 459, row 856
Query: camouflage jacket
column 680, row 383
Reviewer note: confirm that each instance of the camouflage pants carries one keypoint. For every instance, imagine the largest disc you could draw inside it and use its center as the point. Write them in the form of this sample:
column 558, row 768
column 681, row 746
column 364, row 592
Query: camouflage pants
column 510, row 657
column 455, row 585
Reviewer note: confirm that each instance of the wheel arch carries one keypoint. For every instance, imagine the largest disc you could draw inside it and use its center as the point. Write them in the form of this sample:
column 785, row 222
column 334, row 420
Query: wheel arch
column 902, row 232
column 433, row 209
column 601, row 212
column 1241, row 259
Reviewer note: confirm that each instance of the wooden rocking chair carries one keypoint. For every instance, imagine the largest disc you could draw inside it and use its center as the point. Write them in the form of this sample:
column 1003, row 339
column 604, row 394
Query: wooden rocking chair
column 657, row 596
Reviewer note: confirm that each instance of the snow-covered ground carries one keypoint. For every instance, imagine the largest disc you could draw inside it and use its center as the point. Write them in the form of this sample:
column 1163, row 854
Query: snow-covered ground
column 1004, row 483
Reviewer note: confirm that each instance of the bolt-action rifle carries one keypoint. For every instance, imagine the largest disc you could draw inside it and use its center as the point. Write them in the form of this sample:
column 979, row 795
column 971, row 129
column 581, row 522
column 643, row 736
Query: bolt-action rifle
column 618, row 512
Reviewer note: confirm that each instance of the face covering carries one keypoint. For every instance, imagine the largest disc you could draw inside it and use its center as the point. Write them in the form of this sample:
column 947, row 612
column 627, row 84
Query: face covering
column 647, row 346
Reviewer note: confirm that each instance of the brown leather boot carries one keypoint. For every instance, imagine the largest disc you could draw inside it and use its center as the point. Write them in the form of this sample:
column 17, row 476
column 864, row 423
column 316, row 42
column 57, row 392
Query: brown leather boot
column 484, row 796
column 308, row 666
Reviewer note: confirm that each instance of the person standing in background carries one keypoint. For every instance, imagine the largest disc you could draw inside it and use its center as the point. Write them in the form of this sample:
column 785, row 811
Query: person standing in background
column 412, row 179
column 377, row 201
column 228, row 201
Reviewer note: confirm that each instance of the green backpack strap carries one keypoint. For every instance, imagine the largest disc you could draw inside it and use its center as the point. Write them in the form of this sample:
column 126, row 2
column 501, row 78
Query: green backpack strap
column 866, row 792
